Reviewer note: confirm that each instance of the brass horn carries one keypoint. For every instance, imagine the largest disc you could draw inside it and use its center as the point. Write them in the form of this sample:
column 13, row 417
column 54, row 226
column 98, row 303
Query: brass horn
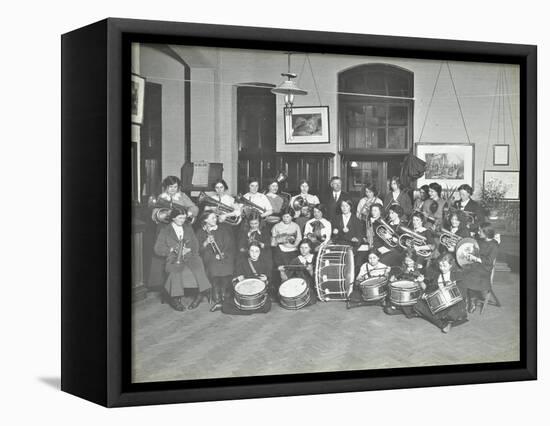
column 220, row 208
column 387, row 233
column 242, row 200
column 409, row 239
column 448, row 239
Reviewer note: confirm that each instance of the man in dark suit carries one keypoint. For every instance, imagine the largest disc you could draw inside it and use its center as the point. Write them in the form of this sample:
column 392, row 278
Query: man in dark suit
column 333, row 198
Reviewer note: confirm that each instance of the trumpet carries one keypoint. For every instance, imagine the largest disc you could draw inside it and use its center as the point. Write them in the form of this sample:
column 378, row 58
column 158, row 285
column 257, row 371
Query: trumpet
column 247, row 203
column 175, row 259
column 410, row 239
column 387, row 233
column 448, row 239
column 213, row 244
column 220, row 208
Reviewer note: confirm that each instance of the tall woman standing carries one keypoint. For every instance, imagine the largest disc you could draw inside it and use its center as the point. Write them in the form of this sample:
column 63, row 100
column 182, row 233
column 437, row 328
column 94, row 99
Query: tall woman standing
column 398, row 196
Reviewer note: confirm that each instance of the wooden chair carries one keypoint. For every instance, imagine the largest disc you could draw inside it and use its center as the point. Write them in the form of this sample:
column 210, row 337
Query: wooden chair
column 491, row 298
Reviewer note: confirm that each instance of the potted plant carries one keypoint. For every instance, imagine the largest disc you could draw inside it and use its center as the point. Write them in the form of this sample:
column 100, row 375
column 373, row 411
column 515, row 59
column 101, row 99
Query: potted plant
column 491, row 197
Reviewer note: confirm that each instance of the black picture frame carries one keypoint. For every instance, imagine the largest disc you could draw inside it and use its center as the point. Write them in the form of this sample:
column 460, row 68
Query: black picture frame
column 495, row 149
column 324, row 138
column 96, row 262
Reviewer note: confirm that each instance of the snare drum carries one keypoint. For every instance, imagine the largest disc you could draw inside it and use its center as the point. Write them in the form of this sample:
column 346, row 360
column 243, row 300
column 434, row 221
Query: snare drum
column 374, row 289
column 404, row 293
column 250, row 294
column 294, row 293
column 334, row 272
column 443, row 298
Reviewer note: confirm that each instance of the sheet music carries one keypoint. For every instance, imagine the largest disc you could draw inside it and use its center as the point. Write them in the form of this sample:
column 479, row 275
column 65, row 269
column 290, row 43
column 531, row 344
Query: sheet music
column 363, row 247
column 200, row 174
column 383, row 250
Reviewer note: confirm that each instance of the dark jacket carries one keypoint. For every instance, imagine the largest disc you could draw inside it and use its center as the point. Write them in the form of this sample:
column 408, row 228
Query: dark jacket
column 473, row 207
column 356, row 228
column 168, row 240
column 262, row 266
column 226, row 242
column 403, row 200
column 332, row 206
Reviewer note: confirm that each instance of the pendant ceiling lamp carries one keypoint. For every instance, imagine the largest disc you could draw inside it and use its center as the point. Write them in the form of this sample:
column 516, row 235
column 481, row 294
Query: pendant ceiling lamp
column 288, row 88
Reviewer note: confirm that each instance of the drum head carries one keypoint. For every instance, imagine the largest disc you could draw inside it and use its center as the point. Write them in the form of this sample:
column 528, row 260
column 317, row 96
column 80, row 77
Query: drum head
column 249, row 286
column 463, row 248
column 373, row 281
column 292, row 287
column 404, row 284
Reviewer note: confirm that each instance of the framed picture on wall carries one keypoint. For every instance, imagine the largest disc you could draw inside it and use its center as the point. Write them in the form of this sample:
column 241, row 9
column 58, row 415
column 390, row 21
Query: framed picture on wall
column 448, row 164
column 306, row 125
column 138, row 95
column 508, row 180
column 501, row 155
column 218, row 320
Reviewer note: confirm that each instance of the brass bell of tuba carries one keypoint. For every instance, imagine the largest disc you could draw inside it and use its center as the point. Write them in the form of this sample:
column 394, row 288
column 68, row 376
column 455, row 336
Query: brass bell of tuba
column 409, row 239
column 387, row 233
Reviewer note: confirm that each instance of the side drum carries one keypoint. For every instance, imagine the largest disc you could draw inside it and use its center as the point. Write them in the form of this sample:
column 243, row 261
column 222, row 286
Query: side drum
column 404, row 293
column 250, row 294
column 443, row 298
column 294, row 293
column 334, row 272
column 374, row 289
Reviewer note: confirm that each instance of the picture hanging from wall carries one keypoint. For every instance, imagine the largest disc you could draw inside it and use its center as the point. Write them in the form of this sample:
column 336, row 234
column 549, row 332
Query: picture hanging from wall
column 138, row 91
column 306, row 125
column 448, row 164
column 508, row 180
column 501, row 155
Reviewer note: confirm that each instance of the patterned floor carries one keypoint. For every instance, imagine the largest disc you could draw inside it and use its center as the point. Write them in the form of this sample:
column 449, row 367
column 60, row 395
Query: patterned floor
column 170, row 345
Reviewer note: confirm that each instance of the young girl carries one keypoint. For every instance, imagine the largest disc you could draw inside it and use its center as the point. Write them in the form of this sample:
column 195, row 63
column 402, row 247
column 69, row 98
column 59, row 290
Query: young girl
column 251, row 266
column 306, row 258
column 371, row 268
column 453, row 315
column 411, row 271
column 477, row 276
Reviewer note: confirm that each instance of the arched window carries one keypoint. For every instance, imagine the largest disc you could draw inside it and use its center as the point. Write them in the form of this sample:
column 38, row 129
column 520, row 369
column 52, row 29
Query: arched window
column 376, row 108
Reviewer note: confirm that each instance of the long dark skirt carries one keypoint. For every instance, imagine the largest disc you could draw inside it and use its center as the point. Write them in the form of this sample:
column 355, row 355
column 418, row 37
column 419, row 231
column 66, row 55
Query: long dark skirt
column 455, row 314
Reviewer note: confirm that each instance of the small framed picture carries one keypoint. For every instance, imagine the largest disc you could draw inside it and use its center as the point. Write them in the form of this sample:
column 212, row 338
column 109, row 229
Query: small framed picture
column 138, row 92
column 306, row 125
column 501, row 155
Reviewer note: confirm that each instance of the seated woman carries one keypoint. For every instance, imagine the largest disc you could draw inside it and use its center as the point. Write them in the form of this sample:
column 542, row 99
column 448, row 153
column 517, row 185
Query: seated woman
column 251, row 266
column 221, row 195
column 455, row 224
column 435, row 206
column 346, row 228
column 370, row 198
column 472, row 208
column 410, row 271
column 277, row 203
column 217, row 249
column 257, row 198
column 304, row 198
column 305, row 259
column 388, row 248
column 426, row 252
column 251, row 231
column 370, row 269
column 396, row 195
column 453, row 315
column 176, row 242
column 172, row 193
column 304, row 216
column 477, row 276
column 318, row 230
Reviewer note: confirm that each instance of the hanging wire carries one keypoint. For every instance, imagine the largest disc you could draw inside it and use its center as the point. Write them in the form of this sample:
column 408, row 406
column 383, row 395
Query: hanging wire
column 430, row 103
column 493, row 107
column 458, row 102
column 511, row 122
column 314, row 81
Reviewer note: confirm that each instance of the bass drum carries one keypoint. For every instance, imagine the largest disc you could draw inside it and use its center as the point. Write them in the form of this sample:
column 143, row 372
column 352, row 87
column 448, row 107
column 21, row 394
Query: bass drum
column 294, row 293
column 404, row 293
column 250, row 294
column 334, row 272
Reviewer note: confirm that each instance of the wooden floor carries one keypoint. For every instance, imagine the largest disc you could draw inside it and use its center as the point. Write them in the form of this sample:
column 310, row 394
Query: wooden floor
column 170, row 345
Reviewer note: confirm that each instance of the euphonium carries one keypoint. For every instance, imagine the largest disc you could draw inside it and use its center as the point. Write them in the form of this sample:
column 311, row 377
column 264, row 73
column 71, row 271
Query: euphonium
column 387, row 233
column 299, row 202
column 448, row 239
column 221, row 208
column 409, row 239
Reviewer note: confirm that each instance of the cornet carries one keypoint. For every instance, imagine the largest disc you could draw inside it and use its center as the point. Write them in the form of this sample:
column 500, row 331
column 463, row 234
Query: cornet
column 213, row 244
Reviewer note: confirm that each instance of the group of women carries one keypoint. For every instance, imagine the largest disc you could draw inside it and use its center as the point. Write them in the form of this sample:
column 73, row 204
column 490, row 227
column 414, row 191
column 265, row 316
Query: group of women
column 274, row 236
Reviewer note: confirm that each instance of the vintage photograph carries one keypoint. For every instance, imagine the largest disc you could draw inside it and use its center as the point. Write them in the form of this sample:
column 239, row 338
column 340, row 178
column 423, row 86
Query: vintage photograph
column 301, row 212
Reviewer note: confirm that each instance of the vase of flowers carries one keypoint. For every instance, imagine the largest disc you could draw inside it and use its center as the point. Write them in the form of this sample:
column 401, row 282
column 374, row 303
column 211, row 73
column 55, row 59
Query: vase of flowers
column 491, row 197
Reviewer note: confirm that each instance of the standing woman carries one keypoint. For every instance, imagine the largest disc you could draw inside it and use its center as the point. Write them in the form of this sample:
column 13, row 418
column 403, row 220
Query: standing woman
column 477, row 276
column 257, row 198
column 370, row 197
column 277, row 202
column 303, row 198
column 176, row 242
column 217, row 248
column 466, row 204
column 172, row 192
column 346, row 228
column 397, row 196
column 221, row 195
column 435, row 206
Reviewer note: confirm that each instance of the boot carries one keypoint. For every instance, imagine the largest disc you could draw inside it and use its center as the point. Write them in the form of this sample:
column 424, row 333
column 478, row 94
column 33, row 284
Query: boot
column 216, row 298
column 198, row 299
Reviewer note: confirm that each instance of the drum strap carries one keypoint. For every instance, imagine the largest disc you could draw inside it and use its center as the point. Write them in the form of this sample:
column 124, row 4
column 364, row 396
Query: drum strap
column 252, row 267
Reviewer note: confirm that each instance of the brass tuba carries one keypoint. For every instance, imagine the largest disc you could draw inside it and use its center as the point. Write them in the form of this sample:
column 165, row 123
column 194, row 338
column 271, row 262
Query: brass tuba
column 220, row 208
column 247, row 203
column 409, row 239
column 387, row 233
column 448, row 239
